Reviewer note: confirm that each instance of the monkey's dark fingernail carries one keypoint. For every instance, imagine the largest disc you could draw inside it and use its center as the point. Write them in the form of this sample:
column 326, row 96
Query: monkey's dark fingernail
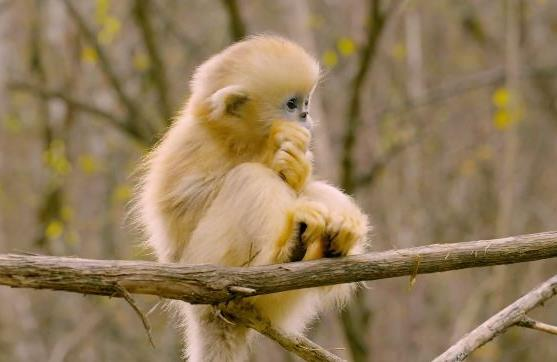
column 303, row 227
column 333, row 236
column 330, row 253
column 327, row 241
column 298, row 251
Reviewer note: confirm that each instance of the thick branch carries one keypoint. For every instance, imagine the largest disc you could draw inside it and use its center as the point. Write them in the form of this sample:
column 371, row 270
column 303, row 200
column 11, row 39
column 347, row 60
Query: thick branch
column 207, row 284
column 511, row 315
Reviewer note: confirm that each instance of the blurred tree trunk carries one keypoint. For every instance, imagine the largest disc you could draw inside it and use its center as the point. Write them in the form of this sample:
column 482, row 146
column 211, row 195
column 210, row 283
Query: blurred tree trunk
column 509, row 175
column 357, row 316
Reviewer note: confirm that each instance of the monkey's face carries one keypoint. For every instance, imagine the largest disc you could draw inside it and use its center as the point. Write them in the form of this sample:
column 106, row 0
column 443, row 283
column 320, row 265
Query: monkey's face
column 253, row 83
column 290, row 106
column 297, row 109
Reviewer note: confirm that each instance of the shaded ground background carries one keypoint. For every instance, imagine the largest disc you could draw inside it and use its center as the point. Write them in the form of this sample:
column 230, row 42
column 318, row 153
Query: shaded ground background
column 439, row 116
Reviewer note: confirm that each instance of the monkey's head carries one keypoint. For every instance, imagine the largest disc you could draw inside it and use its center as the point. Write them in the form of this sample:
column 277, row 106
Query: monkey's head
column 252, row 83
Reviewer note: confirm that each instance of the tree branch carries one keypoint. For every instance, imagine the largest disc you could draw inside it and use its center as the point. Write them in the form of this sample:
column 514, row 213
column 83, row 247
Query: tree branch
column 528, row 322
column 78, row 104
column 511, row 315
column 375, row 22
column 206, row 284
column 209, row 284
column 247, row 315
column 236, row 24
column 474, row 81
column 467, row 83
column 135, row 118
column 141, row 11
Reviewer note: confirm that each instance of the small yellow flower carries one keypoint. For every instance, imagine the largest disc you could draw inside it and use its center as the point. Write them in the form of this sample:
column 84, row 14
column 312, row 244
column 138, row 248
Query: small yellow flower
column 54, row 229
column 399, row 51
column 89, row 55
column 330, row 58
column 88, row 164
column 501, row 97
column 122, row 193
column 346, row 46
column 111, row 28
column 502, row 120
column 141, row 61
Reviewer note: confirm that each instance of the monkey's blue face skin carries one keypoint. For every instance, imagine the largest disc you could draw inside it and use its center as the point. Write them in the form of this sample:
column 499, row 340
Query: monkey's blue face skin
column 297, row 109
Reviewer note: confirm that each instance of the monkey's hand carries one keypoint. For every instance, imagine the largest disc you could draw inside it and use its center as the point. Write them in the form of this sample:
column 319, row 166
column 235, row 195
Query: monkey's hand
column 291, row 158
column 314, row 232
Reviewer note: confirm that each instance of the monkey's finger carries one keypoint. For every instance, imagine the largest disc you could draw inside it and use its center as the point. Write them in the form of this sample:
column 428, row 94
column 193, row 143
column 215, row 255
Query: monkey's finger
column 299, row 136
column 314, row 251
column 299, row 155
column 289, row 131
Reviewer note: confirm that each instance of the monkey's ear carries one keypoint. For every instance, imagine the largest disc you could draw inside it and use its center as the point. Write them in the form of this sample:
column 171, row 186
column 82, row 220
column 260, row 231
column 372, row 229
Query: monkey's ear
column 228, row 101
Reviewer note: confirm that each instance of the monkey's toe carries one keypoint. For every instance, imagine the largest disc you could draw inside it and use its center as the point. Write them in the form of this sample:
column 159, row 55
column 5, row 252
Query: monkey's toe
column 343, row 232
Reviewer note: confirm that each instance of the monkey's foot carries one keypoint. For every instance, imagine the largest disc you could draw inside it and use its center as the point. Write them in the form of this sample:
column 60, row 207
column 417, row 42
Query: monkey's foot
column 343, row 232
column 291, row 159
column 314, row 232
column 304, row 235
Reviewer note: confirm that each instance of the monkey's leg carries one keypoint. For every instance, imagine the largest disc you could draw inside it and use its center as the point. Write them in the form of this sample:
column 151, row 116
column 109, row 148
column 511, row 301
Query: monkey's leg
column 242, row 227
column 210, row 337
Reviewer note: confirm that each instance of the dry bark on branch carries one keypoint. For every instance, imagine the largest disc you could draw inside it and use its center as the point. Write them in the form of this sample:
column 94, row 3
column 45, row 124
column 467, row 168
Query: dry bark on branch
column 512, row 315
column 208, row 284
column 213, row 284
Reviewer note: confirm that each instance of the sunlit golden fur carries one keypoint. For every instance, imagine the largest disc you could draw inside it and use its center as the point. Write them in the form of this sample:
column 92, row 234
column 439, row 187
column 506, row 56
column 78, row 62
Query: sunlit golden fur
column 230, row 184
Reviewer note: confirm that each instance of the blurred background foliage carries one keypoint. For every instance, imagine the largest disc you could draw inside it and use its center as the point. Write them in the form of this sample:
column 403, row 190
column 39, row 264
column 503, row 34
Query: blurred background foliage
column 440, row 117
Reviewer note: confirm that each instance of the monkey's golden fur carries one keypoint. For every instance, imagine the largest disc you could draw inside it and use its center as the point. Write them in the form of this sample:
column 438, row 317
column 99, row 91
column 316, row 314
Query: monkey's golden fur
column 230, row 184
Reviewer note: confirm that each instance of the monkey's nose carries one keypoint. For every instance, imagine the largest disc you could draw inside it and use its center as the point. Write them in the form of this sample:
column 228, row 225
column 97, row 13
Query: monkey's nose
column 303, row 115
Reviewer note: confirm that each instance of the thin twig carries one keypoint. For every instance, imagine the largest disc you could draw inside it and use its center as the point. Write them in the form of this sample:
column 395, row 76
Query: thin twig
column 500, row 322
column 127, row 296
column 78, row 104
column 528, row 322
column 464, row 84
column 481, row 79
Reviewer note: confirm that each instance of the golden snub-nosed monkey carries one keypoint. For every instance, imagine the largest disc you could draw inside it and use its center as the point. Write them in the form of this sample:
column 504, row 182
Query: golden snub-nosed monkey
column 231, row 184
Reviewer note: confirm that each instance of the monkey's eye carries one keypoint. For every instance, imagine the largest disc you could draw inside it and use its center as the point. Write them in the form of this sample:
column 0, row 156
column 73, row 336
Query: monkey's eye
column 292, row 104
